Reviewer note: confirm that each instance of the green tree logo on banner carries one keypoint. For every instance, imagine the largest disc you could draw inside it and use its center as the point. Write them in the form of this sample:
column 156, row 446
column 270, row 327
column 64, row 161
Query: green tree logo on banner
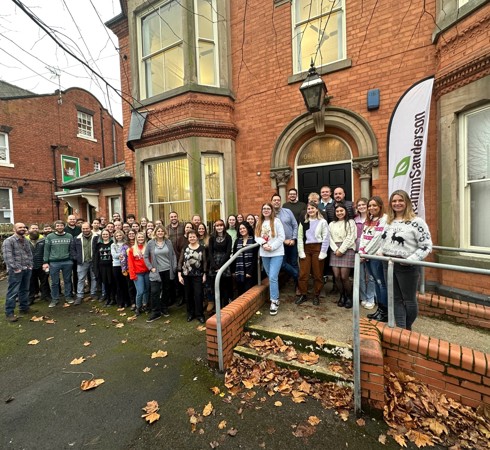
column 402, row 167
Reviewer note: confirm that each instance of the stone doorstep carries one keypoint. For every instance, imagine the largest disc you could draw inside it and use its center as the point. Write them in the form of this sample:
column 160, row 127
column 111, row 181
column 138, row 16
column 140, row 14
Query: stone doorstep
column 319, row 370
column 330, row 349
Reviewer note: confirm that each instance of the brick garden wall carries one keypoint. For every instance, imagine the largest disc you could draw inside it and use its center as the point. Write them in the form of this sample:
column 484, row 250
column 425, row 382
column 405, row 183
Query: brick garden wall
column 233, row 318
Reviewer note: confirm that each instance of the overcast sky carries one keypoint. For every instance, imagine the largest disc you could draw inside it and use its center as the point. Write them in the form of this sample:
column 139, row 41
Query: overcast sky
column 31, row 60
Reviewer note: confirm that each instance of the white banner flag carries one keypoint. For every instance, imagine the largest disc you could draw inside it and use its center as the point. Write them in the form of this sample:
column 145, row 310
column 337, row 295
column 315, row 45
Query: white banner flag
column 407, row 143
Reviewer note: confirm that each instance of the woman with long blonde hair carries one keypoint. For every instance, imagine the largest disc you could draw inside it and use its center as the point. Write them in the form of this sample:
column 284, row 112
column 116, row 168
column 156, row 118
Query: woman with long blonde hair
column 269, row 233
column 407, row 237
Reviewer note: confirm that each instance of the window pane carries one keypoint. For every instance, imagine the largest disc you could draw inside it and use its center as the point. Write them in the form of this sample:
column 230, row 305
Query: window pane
column 5, row 207
column 213, row 211
column 207, row 73
column 205, row 19
column 171, row 23
column 169, row 188
column 322, row 36
column 478, row 145
column 213, row 190
column 480, row 215
column 154, row 75
column 174, row 68
column 306, row 9
column 151, row 34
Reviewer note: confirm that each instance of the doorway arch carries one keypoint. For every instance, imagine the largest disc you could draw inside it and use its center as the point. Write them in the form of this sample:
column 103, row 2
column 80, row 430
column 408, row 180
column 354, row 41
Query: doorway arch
column 335, row 117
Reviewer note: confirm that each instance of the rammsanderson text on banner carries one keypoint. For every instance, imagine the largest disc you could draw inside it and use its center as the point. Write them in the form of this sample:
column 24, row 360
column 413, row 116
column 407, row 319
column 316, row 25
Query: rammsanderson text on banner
column 407, row 143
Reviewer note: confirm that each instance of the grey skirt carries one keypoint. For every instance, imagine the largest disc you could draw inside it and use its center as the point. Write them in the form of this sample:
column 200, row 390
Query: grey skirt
column 346, row 260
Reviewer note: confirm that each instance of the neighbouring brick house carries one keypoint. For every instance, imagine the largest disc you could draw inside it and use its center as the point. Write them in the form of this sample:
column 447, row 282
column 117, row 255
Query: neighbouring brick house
column 47, row 140
column 217, row 122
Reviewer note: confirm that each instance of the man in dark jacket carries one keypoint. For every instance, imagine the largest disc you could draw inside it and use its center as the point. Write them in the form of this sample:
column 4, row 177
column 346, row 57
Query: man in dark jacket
column 39, row 278
column 339, row 197
column 82, row 251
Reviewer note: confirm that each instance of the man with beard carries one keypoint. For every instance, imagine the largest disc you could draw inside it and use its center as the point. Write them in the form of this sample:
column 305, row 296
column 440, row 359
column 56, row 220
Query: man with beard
column 339, row 197
column 73, row 229
column 57, row 258
column 175, row 230
column 17, row 255
column 39, row 278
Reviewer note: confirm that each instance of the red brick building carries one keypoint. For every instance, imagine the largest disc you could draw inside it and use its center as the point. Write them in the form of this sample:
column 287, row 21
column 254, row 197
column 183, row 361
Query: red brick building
column 218, row 123
column 46, row 141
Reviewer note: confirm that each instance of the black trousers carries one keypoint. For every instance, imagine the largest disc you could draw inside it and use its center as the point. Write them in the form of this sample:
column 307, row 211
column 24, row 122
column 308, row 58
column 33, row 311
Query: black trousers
column 122, row 294
column 39, row 283
column 106, row 276
column 193, row 295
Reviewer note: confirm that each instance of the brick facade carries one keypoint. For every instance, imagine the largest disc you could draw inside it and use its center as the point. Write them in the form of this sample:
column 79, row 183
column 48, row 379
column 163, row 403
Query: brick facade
column 42, row 128
column 388, row 48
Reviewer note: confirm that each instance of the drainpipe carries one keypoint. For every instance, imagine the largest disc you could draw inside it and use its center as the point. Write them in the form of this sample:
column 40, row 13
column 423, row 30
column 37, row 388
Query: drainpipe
column 102, row 137
column 114, row 150
column 55, row 179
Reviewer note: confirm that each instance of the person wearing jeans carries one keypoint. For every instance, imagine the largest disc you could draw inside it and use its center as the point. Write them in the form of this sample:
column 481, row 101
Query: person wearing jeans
column 58, row 257
column 138, row 272
column 269, row 233
column 18, row 258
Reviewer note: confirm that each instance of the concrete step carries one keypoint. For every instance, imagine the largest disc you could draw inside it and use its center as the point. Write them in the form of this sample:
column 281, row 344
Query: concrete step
column 303, row 342
column 321, row 370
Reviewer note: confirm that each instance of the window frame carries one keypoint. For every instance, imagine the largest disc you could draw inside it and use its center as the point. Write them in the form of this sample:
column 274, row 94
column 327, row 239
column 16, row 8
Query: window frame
column 214, row 8
column 7, row 162
column 91, row 136
column 295, row 24
column 204, row 198
column 143, row 91
column 149, row 204
column 11, row 204
column 465, row 183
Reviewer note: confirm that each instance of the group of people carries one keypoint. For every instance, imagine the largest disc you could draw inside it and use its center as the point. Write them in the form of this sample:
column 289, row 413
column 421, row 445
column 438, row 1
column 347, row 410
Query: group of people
column 147, row 266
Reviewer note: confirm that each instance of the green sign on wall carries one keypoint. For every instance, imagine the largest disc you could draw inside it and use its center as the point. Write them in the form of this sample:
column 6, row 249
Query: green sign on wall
column 70, row 168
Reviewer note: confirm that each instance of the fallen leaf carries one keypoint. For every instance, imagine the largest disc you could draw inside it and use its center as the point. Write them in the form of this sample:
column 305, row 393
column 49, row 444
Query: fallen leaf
column 33, row 342
column 208, row 409
column 124, row 341
column 201, row 328
column 278, row 403
column 314, row 420
column 214, row 444
column 120, row 309
column 167, row 321
column 82, row 330
column 50, row 321
column 123, row 314
column 77, row 361
column 66, row 305
column 320, row 341
column 258, row 313
column 304, row 430
column 115, row 321
column 86, row 343
column 119, row 325
column 91, row 384
column 222, row 424
column 37, row 319
column 131, row 318
column 146, row 369
column 232, row 432
column 159, row 354
column 150, row 418
column 215, row 390
column 49, row 338
column 344, row 415
column 419, row 439
column 382, row 438
column 361, row 422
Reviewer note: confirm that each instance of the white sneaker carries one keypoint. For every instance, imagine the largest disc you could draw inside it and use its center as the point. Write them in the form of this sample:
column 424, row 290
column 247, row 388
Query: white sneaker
column 53, row 303
column 274, row 307
column 369, row 305
column 363, row 303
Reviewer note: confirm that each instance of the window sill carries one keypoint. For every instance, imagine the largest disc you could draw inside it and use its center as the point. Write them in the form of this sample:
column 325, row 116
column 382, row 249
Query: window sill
column 87, row 138
column 4, row 164
column 328, row 68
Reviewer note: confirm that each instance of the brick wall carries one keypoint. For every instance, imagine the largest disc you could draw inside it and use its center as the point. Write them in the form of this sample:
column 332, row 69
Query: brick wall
column 460, row 372
column 233, row 318
column 38, row 123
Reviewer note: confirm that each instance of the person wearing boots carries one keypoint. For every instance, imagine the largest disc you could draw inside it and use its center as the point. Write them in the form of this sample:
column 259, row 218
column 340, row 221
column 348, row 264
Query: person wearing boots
column 39, row 277
column 369, row 244
column 343, row 234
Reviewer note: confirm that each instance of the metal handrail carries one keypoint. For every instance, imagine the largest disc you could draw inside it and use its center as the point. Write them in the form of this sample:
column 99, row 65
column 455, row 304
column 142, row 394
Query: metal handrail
column 391, row 314
column 217, row 298
column 449, row 249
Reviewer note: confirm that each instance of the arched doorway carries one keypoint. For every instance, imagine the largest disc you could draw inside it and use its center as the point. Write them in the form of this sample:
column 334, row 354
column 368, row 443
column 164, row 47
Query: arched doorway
column 324, row 161
column 362, row 158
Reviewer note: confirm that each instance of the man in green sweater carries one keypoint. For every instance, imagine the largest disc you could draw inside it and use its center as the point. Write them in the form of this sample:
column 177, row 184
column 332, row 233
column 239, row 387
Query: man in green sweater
column 57, row 258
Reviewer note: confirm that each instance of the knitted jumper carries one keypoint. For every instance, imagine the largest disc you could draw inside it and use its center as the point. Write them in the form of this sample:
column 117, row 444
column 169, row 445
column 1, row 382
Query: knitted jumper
column 371, row 241
column 407, row 239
